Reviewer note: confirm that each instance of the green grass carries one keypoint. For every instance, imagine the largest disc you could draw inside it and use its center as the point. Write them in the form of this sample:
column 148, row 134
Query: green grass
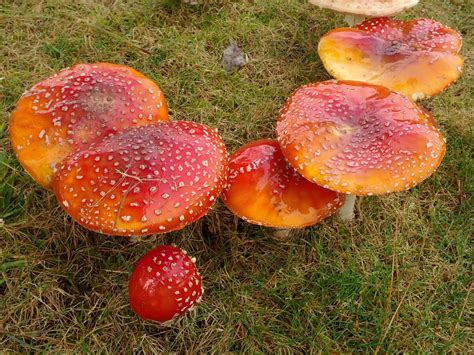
column 398, row 280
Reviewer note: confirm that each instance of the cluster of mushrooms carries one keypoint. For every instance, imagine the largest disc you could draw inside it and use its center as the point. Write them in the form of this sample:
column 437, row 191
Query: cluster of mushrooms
column 99, row 136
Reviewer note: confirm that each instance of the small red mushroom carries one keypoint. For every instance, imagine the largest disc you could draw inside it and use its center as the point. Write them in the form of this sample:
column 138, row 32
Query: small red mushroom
column 264, row 189
column 145, row 180
column 358, row 138
column 418, row 58
column 164, row 284
column 76, row 107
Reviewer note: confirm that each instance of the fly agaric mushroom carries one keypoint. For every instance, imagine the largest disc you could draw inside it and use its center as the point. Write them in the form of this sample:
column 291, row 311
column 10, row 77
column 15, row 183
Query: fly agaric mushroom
column 357, row 10
column 164, row 284
column 359, row 139
column 144, row 180
column 79, row 106
column 417, row 58
column 263, row 189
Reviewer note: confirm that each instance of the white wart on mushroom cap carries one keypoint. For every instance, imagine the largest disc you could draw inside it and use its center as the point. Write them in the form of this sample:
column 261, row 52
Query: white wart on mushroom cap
column 76, row 107
column 358, row 138
column 151, row 179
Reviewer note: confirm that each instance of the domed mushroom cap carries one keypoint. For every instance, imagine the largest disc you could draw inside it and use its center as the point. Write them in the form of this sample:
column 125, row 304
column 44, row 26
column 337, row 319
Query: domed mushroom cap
column 164, row 284
column 76, row 107
column 263, row 189
column 358, row 138
column 145, row 180
column 373, row 8
column 418, row 58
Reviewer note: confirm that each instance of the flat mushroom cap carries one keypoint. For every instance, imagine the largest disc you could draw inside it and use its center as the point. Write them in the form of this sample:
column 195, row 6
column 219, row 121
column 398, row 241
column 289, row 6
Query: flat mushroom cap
column 164, row 284
column 145, row 180
column 263, row 189
column 78, row 106
column 417, row 58
column 358, row 138
column 373, row 8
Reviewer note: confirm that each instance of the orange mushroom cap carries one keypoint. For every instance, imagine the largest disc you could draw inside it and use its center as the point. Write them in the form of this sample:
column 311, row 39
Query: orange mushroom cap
column 418, row 58
column 358, row 138
column 144, row 180
column 78, row 106
column 366, row 7
column 263, row 189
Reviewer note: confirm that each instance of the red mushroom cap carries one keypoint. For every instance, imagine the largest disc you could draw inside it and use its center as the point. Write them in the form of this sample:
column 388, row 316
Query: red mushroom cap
column 358, row 138
column 164, row 284
column 76, row 107
column 418, row 58
column 145, row 180
column 263, row 189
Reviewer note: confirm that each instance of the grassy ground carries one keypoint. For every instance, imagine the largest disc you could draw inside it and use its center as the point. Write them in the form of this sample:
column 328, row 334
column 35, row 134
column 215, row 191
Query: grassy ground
column 399, row 279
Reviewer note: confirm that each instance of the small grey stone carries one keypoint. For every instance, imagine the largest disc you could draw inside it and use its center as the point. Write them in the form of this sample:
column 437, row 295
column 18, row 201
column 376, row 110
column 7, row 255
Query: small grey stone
column 233, row 58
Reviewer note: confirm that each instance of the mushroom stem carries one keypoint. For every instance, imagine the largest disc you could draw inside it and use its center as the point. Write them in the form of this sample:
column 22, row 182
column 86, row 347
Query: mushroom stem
column 346, row 212
column 281, row 233
column 353, row 19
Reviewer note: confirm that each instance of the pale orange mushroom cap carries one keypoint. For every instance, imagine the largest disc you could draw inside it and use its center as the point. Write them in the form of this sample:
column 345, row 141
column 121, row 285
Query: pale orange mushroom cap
column 78, row 106
column 366, row 7
column 418, row 58
column 144, row 180
column 263, row 189
column 358, row 138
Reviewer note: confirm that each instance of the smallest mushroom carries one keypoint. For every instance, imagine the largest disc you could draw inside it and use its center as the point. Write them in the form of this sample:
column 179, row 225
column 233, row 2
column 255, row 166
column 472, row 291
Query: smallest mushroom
column 263, row 189
column 357, row 10
column 164, row 284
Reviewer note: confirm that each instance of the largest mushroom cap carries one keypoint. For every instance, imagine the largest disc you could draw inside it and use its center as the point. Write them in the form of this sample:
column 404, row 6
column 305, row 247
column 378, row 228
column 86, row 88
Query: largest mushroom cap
column 78, row 106
column 418, row 58
column 145, row 180
column 366, row 7
column 263, row 189
column 358, row 138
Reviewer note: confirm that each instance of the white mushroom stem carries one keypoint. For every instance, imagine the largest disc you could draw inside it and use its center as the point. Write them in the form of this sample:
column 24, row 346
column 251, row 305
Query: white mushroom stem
column 281, row 233
column 346, row 212
column 353, row 19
